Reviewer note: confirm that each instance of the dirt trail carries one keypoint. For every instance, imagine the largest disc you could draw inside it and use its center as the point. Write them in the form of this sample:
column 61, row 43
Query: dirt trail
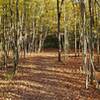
column 41, row 77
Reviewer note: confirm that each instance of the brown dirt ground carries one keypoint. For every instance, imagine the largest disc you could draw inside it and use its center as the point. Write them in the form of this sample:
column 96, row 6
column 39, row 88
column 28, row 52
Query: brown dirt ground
column 42, row 77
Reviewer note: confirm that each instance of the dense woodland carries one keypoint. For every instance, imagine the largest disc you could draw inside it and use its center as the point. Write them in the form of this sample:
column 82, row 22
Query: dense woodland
column 66, row 28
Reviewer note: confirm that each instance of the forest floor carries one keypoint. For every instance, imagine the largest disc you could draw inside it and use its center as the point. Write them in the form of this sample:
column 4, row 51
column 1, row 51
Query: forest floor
column 42, row 77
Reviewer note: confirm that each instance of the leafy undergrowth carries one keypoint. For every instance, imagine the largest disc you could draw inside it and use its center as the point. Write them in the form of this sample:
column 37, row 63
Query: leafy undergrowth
column 42, row 77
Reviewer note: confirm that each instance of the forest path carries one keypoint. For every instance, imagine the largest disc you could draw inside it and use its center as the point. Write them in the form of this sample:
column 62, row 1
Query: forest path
column 42, row 77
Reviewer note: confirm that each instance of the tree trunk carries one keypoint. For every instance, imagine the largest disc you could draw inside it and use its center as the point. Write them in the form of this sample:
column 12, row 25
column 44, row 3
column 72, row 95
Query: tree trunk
column 4, row 44
column 84, row 44
column 91, row 11
column 59, row 36
column 66, row 43
column 75, row 40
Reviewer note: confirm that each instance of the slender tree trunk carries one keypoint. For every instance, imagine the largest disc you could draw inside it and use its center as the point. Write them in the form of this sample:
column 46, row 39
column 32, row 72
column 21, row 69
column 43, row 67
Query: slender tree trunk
column 98, row 36
column 33, row 34
column 24, row 27
column 66, row 43
column 59, row 36
column 84, row 48
column 79, row 45
column 40, row 43
column 75, row 40
column 91, row 11
column 4, row 45
column 98, row 49
column 15, row 51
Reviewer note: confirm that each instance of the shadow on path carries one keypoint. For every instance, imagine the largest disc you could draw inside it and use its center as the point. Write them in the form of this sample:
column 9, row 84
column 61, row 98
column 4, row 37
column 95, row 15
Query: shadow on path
column 43, row 78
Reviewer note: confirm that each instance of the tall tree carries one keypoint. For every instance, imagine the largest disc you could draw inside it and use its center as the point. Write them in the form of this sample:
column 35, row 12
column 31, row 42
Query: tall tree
column 59, row 9
column 84, row 39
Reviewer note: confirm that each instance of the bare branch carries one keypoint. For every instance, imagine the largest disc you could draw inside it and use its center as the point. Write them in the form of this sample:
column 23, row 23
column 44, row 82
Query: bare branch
column 62, row 2
column 97, row 3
